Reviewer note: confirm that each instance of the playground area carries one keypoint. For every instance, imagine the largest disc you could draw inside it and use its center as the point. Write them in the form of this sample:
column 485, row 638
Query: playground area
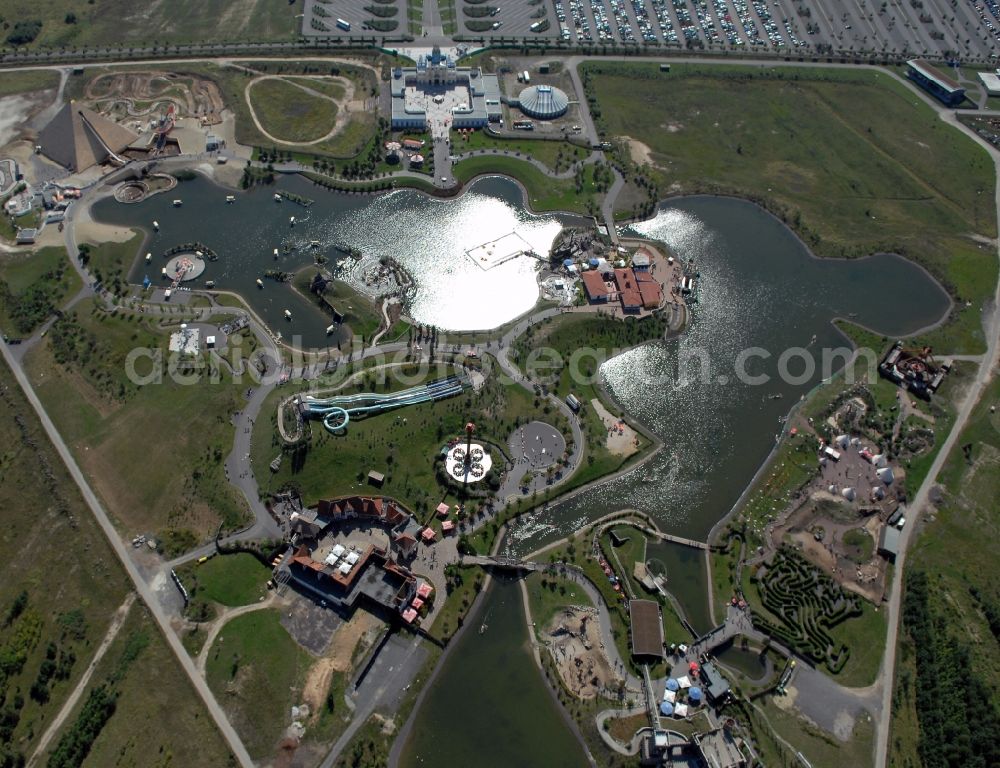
column 573, row 637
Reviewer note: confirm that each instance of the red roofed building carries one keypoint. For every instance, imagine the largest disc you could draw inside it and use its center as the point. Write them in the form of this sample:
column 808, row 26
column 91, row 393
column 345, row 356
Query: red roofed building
column 428, row 535
column 406, row 544
column 628, row 289
column 448, row 526
column 597, row 290
column 649, row 289
column 376, row 509
column 425, row 590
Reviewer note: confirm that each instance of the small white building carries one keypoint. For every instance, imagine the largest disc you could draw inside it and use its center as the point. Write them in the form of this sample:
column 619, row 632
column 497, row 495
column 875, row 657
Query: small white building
column 990, row 82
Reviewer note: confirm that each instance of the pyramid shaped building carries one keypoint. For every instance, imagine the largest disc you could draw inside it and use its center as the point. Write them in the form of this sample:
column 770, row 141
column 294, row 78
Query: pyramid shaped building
column 78, row 137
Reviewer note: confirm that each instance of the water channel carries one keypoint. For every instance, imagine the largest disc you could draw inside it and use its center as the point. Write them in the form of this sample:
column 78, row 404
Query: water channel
column 489, row 706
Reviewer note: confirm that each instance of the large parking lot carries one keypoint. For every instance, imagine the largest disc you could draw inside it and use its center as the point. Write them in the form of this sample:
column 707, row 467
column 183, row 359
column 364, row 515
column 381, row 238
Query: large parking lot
column 810, row 27
column 321, row 18
column 506, row 18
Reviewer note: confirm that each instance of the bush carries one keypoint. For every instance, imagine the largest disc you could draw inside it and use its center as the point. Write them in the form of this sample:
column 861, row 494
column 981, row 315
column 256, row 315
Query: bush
column 382, row 11
column 383, row 25
column 24, row 32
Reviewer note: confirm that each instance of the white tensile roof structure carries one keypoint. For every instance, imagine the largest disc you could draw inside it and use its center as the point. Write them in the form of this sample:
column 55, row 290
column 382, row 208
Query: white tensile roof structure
column 848, row 493
column 885, row 475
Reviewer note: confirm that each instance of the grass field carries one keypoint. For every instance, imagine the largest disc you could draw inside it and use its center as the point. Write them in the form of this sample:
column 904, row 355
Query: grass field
column 850, row 159
column 543, row 193
column 548, row 595
column 351, row 141
column 32, row 286
column 255, row 669
column 231, row 580
column 173, row 487
column 28, row 81
column 71, row 607
column 170, row 725
column 821, row 749
column 557, row 155
column 289, row 113
column 110, row 262
column 121, row 22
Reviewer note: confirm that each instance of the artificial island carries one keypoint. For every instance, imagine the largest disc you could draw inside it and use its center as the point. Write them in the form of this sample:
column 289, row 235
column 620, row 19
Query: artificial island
column 529, row 398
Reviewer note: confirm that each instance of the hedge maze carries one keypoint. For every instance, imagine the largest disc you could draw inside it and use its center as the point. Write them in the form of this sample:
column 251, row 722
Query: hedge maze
column 807, row 604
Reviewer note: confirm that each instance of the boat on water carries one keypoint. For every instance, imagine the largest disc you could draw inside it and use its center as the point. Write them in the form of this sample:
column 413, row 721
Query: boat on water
column 330, row 329
column 156, row 226
column 149, row 257
column 288, row 314
column 178, row 203
column 314, row 243
column 275, row 253
column 209, row 283
column 260, row 283
column 163, row 272
column 230, row 198
column 291, row 221
column 277, row 197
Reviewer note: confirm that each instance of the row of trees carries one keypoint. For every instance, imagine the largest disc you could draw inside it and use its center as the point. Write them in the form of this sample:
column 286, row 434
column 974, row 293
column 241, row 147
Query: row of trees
column 959, row 719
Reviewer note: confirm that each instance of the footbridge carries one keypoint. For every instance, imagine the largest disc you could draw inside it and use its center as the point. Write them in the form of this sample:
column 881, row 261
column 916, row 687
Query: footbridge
column 508, row 563
column 336, row 412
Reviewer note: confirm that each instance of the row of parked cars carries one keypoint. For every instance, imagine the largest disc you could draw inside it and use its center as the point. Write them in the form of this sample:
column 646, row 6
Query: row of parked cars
column 714, row 23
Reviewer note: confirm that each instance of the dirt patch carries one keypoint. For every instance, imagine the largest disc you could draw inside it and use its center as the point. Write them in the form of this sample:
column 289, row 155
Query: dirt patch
column 337, row 659
column 348, row 636
column 573, row 637
column 622, row 439
column 641, row 153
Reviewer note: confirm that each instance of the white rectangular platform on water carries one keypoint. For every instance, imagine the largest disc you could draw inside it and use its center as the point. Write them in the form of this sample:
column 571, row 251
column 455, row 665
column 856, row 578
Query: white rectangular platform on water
column 496, row 252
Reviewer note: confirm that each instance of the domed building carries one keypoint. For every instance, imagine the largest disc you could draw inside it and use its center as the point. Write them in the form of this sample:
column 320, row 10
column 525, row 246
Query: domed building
column 544, row 102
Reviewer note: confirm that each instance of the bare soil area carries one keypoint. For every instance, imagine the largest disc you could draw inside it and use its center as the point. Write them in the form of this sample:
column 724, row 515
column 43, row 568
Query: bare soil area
column 622, row 439
column 573, row 637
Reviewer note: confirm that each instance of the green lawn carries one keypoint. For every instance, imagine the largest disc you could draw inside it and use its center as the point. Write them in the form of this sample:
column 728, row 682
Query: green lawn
column 850, row 159
column 289, row 113
column 231, row 580
column 543, row 193
column 32, row 286
column 548, row 595
column 557, row 155
column 331, row 88
column 255, row 668
column 865, row 636
column 119, row 22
